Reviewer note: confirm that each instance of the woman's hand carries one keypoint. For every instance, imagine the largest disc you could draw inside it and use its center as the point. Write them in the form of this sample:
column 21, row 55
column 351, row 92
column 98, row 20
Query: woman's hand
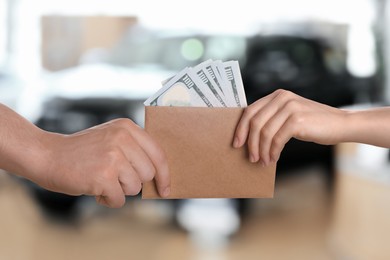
column 269, row 123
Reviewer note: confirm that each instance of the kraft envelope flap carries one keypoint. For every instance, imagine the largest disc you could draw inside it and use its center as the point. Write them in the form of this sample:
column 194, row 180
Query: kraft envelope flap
column 202, row 161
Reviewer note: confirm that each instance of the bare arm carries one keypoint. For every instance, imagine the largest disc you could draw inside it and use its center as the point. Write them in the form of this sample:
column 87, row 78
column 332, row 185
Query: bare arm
column 108, row 161
column 269, row 123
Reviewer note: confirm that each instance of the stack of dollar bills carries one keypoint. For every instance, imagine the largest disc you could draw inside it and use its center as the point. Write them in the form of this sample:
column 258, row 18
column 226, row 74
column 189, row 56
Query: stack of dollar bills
column 209, row 84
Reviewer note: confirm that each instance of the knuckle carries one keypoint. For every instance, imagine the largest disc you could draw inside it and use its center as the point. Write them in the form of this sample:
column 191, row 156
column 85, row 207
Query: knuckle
column 101, row 180
column 120, row 134
column 145, row 172
column 250, row 110
column 107, row 175
column 255, row 123
column 284, row 93
column 265, row 133
column 280, row 91
column 123, row 122
column 277, row 142
column 297, row 119
column 112, row 156
column 118, row 131
column 292, row 105
column 148, row 175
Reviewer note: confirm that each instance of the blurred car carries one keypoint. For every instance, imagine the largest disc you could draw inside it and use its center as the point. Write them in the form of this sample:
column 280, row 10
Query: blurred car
column 297, row 64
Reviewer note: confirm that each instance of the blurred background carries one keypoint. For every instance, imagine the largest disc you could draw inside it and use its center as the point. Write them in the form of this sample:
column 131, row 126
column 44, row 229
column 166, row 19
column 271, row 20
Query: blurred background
column 69, row 65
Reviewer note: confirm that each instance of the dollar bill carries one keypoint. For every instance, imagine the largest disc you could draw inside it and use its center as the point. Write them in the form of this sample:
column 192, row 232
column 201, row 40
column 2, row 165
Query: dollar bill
column 233, row 74
column 205, row 76
column 209, row 84
column 219, row 70
column 215, row 75
column 184, row 89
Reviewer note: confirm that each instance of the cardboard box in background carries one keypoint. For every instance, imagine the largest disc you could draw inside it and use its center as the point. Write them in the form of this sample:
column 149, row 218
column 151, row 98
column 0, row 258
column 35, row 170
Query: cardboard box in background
column 66, row 38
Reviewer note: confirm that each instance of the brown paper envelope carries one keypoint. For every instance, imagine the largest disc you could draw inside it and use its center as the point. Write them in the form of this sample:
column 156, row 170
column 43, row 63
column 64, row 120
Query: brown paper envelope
column 202, row 161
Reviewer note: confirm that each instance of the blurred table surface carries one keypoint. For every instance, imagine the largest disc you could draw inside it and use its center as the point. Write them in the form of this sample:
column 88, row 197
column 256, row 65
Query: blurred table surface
column 293, row 225
column 360, row 226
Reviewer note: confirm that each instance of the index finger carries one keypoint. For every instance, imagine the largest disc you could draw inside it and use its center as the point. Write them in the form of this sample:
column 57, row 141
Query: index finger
column 156, row 154
column 243, row 126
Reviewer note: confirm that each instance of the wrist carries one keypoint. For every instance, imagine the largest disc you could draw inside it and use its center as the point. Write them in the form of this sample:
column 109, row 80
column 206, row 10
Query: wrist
column 348, row 126
column 41, row 164
column 23, row 146
column 371, row 126
column 359, row 127
column 35, row 161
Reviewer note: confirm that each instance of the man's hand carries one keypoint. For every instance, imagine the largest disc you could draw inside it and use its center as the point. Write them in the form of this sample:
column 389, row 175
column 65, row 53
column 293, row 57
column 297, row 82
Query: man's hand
column 107, row 161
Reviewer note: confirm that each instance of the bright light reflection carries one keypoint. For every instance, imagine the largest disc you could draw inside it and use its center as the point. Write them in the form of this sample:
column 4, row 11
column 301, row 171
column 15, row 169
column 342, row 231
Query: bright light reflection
column 217, row 14
column 361, row 51
column 192, row 49
column 3, row 31
column 243, row 17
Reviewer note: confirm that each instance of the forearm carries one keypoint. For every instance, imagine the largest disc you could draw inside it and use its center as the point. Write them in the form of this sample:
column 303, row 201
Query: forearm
column 21, row 149
column 108, row 161
column 368, row 126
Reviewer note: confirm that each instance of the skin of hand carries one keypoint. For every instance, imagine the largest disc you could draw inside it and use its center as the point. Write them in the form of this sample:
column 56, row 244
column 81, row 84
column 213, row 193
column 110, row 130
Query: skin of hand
column 107, row 161
column 270, row 122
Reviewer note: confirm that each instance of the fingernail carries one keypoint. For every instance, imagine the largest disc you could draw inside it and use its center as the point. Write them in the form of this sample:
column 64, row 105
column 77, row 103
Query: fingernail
column 166, row 192
column 252, row 158
column 236, row 142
